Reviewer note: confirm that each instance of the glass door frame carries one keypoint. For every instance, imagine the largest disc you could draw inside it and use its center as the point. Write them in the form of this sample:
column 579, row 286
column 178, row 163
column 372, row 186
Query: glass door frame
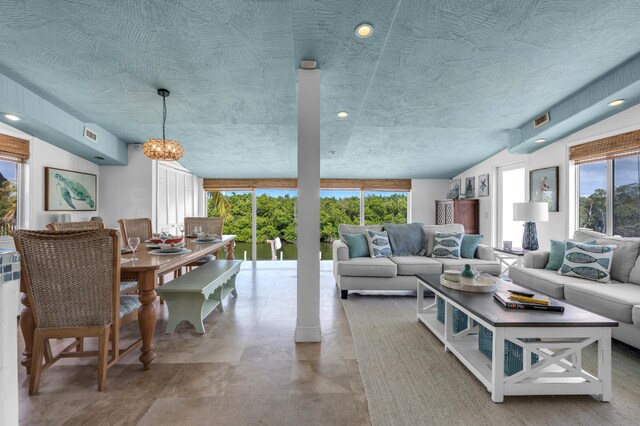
column 499, row 199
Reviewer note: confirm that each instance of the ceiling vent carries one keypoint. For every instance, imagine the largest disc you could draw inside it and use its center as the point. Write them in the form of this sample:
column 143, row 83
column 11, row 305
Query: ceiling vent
column 91, row 135
column 137, row 146
column 543, row 119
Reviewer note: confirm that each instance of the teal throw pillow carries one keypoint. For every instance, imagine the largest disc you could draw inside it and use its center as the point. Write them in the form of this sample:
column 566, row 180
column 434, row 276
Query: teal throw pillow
column 591, row 262
column 556, row 254
column 447, row 245
column 470, row 243
column 357, row 243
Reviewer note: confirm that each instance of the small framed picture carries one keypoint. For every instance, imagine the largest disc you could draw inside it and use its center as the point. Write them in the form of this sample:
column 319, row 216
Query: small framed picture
column 543, row 186
column 483, row 185
column 470, row 187
column 456, row 185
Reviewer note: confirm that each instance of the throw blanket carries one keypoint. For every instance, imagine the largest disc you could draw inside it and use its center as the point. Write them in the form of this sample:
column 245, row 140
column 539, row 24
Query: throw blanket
column 407, row 239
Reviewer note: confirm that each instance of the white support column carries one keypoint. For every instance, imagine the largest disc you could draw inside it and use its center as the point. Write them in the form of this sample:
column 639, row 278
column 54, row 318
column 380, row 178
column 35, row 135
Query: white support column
column 308, row 315
column 254, row 226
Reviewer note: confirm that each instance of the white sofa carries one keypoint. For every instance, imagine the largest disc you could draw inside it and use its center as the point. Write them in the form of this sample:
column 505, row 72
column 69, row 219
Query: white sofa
column 619, row 299
column 398, row 272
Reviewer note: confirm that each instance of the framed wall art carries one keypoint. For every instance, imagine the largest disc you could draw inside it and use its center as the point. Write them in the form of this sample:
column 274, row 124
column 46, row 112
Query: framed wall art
column 543, row 186
column 470, row 187
column 483, row 185
column 69, row 191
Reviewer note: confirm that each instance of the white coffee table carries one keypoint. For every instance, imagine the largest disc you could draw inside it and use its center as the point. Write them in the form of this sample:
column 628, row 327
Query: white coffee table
column 557, row 338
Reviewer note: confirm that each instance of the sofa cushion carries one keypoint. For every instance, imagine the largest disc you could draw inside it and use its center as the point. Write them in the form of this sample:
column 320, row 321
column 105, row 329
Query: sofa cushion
column 407, row 239
column 378, row 244
column 634, row 276
column 545, row 281
column 470, row 243
column 624, row 256
column 432, row 230
column 612, row 300
column 592, row 262
column 358, row 245
column 635, row 315
column 357, row 229
column 410, row 265
column 447, row 245
column 368, row 267
column 489, row 266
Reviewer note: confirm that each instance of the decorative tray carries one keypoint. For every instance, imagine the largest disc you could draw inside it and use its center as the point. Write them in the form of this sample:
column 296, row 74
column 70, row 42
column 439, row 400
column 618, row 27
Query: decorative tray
column 482, row 284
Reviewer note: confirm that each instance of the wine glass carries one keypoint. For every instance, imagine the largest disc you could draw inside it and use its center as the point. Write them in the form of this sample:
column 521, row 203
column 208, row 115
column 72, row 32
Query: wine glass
column 181, row 229
column 197, row 230
column 133, row 245
column 164, row 235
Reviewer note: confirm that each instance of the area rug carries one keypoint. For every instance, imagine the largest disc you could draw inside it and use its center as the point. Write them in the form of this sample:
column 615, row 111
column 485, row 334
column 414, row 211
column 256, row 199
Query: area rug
column 410, row 380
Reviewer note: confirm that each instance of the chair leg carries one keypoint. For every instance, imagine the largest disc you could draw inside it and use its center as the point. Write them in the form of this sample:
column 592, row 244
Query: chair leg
column 103, row 354
column 36, row 362
column 115, row 341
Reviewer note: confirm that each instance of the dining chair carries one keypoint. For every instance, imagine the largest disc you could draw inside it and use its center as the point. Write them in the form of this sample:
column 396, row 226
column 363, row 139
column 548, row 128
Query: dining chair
column 209, row 225
column 126, row 286
column 72, row 280
column 75, row 226
column 140, row 227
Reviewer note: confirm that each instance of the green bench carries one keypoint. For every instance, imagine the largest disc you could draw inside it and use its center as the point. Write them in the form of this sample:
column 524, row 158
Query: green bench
column 196, row 294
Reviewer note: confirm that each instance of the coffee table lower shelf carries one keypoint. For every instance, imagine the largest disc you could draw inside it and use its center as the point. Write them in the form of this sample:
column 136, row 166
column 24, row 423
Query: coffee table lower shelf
column 558, row 371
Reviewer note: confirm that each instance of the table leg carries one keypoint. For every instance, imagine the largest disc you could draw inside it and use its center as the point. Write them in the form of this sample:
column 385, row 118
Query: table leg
column 28, row 328
column 230, row 248
column 604, row 363
column 147, row 316
column 497, row 366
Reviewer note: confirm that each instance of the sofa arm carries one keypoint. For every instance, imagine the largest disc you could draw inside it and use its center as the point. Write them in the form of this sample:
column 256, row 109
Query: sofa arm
column 536, row 259
column 340, row 252
column 484, row 252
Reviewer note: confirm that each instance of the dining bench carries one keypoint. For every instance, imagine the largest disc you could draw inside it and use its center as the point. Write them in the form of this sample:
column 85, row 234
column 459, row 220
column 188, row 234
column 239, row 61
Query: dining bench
column 196, row 294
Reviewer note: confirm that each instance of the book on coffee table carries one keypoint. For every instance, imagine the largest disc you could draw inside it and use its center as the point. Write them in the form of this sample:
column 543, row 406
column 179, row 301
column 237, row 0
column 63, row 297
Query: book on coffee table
column 506, row 301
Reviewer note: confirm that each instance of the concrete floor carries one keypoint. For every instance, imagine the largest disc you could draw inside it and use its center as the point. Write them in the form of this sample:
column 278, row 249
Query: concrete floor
column 246, row 369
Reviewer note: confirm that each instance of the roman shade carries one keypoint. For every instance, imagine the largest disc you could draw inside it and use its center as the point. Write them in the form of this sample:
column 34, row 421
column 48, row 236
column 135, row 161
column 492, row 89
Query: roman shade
column 359, row 184
column 618, row 146
column 13, row 149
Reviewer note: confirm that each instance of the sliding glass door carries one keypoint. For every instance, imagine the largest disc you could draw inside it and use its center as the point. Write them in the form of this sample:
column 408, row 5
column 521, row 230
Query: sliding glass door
column 511, row 189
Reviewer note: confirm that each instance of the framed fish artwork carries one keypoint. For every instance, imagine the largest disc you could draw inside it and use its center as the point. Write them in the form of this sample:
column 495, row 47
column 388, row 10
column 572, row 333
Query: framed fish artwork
column 543, row 187
column 483, row 185
column 69, row 191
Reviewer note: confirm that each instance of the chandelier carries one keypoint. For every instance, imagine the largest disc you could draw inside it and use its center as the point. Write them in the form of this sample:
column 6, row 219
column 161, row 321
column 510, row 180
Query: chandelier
column 163, row 149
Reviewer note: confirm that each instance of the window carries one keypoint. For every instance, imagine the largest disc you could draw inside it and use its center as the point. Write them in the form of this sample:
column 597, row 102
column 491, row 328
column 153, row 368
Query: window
column 385, row 207
column 336, row 207
column 609, row 196
column 238, row 221
column 592, row 205
column 8, row 196
column 511, row 189
column 275, row 219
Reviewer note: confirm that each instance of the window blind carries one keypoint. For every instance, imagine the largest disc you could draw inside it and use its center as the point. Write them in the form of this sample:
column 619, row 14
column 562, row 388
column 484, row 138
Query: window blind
column 13, row 149
column 618, row 146
column 358, row 184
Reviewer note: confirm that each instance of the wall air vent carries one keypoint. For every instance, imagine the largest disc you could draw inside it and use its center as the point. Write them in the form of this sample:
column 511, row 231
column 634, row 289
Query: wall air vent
column 91, row 135
column 137, row 146
column 543, row 119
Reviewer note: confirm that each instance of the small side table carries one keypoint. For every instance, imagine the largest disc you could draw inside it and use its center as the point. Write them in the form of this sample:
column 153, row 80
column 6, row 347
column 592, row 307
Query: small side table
column 509, row 258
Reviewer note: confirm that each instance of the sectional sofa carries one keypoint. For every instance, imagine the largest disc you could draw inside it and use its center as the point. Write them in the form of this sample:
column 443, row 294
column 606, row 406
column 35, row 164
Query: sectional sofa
column 398, row 272
column 618, row 299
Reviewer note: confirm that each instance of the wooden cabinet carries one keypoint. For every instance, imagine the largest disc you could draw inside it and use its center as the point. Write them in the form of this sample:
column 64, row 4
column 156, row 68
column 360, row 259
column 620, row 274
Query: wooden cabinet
column 464, row 212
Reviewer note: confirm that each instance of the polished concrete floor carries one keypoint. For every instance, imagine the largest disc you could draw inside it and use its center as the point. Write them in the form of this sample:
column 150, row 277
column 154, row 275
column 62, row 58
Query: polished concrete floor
column 245, row 370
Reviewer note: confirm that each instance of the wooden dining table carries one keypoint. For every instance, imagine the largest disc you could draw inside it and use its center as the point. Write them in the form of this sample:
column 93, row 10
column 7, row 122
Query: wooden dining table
column 145, row 270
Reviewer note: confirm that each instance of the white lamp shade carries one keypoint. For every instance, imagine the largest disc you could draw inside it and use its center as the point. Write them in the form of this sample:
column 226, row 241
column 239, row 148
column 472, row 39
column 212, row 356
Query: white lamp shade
column 531, row 212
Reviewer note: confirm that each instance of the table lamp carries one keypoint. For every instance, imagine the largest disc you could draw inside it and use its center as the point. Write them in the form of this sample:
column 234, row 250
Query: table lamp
column 530, row 213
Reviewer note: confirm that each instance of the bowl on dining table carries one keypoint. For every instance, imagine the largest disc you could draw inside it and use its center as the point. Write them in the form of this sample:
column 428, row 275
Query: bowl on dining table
column 173, row 246
column 171, row 240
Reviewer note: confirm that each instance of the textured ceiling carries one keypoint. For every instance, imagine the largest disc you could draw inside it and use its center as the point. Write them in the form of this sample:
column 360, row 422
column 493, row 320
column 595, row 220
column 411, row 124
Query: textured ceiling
column 435, row 90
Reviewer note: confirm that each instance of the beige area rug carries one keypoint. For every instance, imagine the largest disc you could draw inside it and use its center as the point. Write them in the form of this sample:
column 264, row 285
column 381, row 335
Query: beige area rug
column 410, row 380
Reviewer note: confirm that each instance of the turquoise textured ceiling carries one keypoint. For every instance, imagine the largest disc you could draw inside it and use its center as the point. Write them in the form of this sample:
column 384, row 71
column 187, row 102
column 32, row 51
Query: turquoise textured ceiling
column 440, row 86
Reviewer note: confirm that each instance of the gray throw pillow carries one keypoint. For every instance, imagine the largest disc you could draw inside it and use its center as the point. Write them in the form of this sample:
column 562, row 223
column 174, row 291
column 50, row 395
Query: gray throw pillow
column 378, row 244
column 591, row 262
column 448, row 245
column 407, row 239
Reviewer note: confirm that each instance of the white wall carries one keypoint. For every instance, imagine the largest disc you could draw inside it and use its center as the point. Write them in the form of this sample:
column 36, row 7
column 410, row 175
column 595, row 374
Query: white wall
column 562, row 223
column 424, row 193
column 127, row 191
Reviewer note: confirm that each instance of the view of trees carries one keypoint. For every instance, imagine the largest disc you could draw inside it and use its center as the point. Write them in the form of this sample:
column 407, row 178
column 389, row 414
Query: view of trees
column 8, row 204
column 626, row 211
column 276, row 215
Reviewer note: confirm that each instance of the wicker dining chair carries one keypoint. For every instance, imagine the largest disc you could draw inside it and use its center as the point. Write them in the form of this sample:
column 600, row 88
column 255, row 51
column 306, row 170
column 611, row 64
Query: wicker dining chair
column 72, row 279
column 209, row 225
column 75, row 226
column 126, row 286
column 140, row 227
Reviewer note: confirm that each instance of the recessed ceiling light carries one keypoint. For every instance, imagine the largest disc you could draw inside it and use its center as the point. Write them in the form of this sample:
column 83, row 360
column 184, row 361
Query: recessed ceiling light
column 616, row 103
column 12, row 117
column 343, row 114
column 364, row 30
column 97, row 157
column 540, row 140
column 333, row 152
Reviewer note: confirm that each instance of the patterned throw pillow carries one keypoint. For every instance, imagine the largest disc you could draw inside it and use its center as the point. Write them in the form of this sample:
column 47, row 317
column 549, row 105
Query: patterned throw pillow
column 447, row 245
column 379, row 244
column 591, row 262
